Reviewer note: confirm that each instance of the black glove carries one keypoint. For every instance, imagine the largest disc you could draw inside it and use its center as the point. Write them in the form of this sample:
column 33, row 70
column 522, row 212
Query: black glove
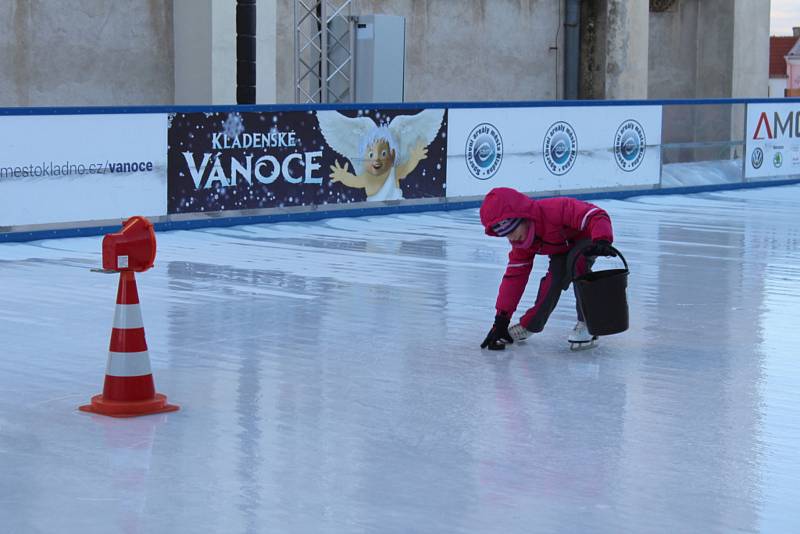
column 601, row 247
column 498, row 334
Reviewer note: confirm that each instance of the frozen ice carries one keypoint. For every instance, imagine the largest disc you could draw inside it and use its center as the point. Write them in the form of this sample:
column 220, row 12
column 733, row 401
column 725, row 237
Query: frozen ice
column 330, row 380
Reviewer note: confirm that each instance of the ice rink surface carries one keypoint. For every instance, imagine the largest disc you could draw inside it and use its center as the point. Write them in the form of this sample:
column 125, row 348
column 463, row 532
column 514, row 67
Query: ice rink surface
column 330, row 381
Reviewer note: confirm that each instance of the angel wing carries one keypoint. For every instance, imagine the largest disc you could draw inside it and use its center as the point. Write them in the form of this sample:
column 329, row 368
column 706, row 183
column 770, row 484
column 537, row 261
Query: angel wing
column 410, row 130
column 344, row 134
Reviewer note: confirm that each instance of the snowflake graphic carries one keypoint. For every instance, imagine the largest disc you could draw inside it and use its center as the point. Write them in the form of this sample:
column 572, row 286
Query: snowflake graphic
column 233, row 125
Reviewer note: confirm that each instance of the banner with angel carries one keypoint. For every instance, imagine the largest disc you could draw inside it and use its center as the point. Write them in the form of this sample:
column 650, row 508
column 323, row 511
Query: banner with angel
column 388, row 156
column 228, row 160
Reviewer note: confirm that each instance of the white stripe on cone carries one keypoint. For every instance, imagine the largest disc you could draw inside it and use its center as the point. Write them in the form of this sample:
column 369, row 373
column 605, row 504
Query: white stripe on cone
column 128, row 316
column 128, row 364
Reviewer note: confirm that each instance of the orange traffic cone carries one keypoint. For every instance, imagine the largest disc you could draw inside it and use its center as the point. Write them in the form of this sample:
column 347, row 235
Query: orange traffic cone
column 128, row 390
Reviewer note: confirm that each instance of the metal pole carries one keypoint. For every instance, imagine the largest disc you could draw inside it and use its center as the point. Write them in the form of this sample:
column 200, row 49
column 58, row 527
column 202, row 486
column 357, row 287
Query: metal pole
column 353, row 25
column 744, row 147
column 296, row 55
column 323, row 96
column 572, row 51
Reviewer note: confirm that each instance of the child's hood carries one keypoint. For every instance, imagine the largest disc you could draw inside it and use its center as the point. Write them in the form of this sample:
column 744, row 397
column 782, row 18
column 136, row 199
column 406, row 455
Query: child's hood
column 505, row 203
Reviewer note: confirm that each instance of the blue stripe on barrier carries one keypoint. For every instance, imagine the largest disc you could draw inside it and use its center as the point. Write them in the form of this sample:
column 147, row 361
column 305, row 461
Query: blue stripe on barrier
column 365, row 211
column 104, row 110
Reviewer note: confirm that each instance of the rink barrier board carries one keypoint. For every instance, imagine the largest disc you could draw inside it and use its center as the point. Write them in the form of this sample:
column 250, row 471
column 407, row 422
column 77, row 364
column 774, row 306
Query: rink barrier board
column 165, row 222
column 316, row 215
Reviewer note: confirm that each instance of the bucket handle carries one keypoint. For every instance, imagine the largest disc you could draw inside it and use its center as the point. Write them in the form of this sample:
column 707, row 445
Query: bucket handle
column 578, row 254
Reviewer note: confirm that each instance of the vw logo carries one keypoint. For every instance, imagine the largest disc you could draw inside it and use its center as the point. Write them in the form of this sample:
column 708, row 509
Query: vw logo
column 757, row 158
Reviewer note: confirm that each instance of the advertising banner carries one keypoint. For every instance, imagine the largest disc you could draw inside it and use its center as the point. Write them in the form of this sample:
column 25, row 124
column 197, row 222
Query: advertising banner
column 772, row 140
column 65, row 168
column 235, row 161
column 552, row 148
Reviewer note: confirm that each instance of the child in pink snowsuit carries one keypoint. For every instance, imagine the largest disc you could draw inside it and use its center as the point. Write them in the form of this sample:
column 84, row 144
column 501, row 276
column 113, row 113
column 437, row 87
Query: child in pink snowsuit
column 558, row 227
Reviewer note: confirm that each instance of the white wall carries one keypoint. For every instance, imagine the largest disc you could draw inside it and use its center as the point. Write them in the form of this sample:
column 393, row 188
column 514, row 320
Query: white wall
column 266, row 51
column 776, row 87
column 223, row 51
column 205, row 51
column 192, row 21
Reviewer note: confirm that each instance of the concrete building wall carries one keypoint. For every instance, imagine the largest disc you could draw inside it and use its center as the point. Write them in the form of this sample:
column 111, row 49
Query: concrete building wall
column 594, row 24
column 750, row 48
column 85, row 53
column 715, row 25
column 147, row 52
column 192, row 34
column 205, row 51
column 267, row 52
column 223, row 52
column 673, row 64
column 615, row 39
column 461, row 51
column 707, row 49
column 710, row 49
column 714, row 77
column 750, row 68
column 626, row 70
column 673, row 54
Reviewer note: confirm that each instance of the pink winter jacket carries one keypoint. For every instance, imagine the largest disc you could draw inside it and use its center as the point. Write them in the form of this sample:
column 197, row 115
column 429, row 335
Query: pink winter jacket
column 558, row 224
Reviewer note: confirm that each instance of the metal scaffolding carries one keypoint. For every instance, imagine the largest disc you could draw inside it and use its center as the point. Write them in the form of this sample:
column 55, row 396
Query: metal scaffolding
column 324, row 45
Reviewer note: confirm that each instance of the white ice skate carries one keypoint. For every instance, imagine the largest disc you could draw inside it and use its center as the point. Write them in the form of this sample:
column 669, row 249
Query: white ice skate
column 580, row 338
column 519, row 332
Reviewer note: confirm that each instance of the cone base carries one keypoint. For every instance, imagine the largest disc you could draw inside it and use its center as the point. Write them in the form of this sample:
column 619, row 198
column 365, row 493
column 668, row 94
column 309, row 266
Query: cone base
column 158, row 404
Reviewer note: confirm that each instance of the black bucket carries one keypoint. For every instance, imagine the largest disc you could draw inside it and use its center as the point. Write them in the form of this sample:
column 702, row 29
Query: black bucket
column 603, row 299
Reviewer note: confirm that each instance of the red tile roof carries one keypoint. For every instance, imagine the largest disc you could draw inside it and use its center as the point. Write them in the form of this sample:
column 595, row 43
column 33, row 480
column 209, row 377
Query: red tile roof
column 779, row 47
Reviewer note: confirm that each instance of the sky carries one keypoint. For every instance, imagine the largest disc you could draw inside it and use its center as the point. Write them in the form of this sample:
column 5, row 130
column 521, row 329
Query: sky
column 783, row 15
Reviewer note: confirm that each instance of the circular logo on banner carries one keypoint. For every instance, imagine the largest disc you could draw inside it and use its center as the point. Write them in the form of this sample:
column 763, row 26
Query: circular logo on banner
column 484, row 151
column 629, row 145
column 560, row 148
column 777, row 159
column 757, row 158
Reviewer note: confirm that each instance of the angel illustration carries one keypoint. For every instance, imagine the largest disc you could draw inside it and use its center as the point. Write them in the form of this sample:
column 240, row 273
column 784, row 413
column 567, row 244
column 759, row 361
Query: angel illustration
column 385, row 154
